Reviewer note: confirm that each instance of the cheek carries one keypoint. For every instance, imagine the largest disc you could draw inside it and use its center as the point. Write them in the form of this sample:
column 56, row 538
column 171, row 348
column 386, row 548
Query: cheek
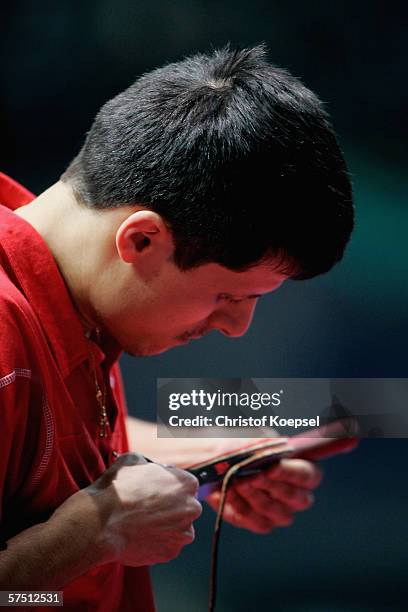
column 182, row 317
column 199, row 310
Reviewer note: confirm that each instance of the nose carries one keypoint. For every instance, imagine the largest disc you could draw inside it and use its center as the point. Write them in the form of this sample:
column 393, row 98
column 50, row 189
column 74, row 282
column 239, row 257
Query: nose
column 233, row 320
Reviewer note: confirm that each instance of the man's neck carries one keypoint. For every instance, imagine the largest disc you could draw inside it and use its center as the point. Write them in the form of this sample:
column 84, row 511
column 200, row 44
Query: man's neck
column 69, row 231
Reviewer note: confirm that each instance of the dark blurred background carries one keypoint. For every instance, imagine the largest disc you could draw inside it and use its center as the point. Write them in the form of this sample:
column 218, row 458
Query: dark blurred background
column 60, row 62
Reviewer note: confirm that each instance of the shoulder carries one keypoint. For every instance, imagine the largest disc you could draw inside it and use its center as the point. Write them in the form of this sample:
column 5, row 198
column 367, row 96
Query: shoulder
column 16, row 327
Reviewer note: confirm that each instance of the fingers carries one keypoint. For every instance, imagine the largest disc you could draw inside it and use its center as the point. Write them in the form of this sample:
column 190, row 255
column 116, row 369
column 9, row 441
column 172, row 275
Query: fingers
column 239, row 513
column 293, row 498
column 189, row 535
column 263, row 509
column 270, row 498
column 259, row 514
column 296, row 472
column 278, row 513
column 195, row 509
column 188, row 482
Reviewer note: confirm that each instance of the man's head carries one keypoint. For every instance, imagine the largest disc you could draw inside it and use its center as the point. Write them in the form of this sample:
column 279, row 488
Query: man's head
column 235, row 162
column 236, row 155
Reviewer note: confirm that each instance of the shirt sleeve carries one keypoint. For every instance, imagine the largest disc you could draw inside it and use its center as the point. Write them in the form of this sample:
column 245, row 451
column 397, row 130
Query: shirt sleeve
column 21, row 411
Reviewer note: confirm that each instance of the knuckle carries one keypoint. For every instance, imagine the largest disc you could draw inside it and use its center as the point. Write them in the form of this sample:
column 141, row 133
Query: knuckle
column 189, row 535
column 187, row 481
column 193, row 511
column 197, row 508
column 191, row 483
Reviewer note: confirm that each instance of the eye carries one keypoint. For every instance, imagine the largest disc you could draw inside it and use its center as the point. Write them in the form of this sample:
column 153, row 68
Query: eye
column 228, row 298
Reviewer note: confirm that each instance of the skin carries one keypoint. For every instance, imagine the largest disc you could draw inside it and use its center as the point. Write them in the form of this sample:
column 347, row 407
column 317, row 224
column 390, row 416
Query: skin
column 135, row 513
column 258, row 503
column 118, row 265
column 127, row 282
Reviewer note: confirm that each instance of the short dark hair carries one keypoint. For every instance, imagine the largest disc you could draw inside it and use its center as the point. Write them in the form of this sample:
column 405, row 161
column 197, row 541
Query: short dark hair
column 237, row 156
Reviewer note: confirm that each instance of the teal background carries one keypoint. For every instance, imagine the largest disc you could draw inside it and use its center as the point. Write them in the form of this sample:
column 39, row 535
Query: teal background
column 60, row 62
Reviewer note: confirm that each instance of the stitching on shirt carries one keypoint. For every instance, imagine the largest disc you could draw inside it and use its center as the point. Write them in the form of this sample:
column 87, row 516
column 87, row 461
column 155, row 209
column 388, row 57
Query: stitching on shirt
column 10, row 378
column 48, row 417
column 23, row 372
column 49, row 440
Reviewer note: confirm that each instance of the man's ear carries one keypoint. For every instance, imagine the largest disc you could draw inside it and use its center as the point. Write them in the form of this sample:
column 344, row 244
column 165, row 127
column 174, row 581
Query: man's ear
column 144, row 236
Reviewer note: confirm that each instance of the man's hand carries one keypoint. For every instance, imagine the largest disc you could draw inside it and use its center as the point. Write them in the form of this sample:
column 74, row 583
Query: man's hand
column 258, row 503
column 269, row 499
column 146, row 510
column 136, row 513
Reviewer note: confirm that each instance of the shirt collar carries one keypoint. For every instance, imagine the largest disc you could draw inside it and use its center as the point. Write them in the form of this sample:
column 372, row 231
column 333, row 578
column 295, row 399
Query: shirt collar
column 39, row 278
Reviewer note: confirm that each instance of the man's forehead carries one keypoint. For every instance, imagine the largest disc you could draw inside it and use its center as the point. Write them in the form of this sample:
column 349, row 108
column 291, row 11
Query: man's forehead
column 259, row 280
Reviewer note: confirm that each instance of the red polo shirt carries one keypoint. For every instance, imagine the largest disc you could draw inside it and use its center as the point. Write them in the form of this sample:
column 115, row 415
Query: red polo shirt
column 49, row 437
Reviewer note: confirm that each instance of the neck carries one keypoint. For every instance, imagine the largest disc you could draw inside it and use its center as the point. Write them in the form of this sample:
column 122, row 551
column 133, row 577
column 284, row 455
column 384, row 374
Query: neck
column 70, row 233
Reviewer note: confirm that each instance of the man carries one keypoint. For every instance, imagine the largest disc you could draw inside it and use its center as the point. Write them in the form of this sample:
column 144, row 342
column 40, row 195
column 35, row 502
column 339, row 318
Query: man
column 199, row 189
